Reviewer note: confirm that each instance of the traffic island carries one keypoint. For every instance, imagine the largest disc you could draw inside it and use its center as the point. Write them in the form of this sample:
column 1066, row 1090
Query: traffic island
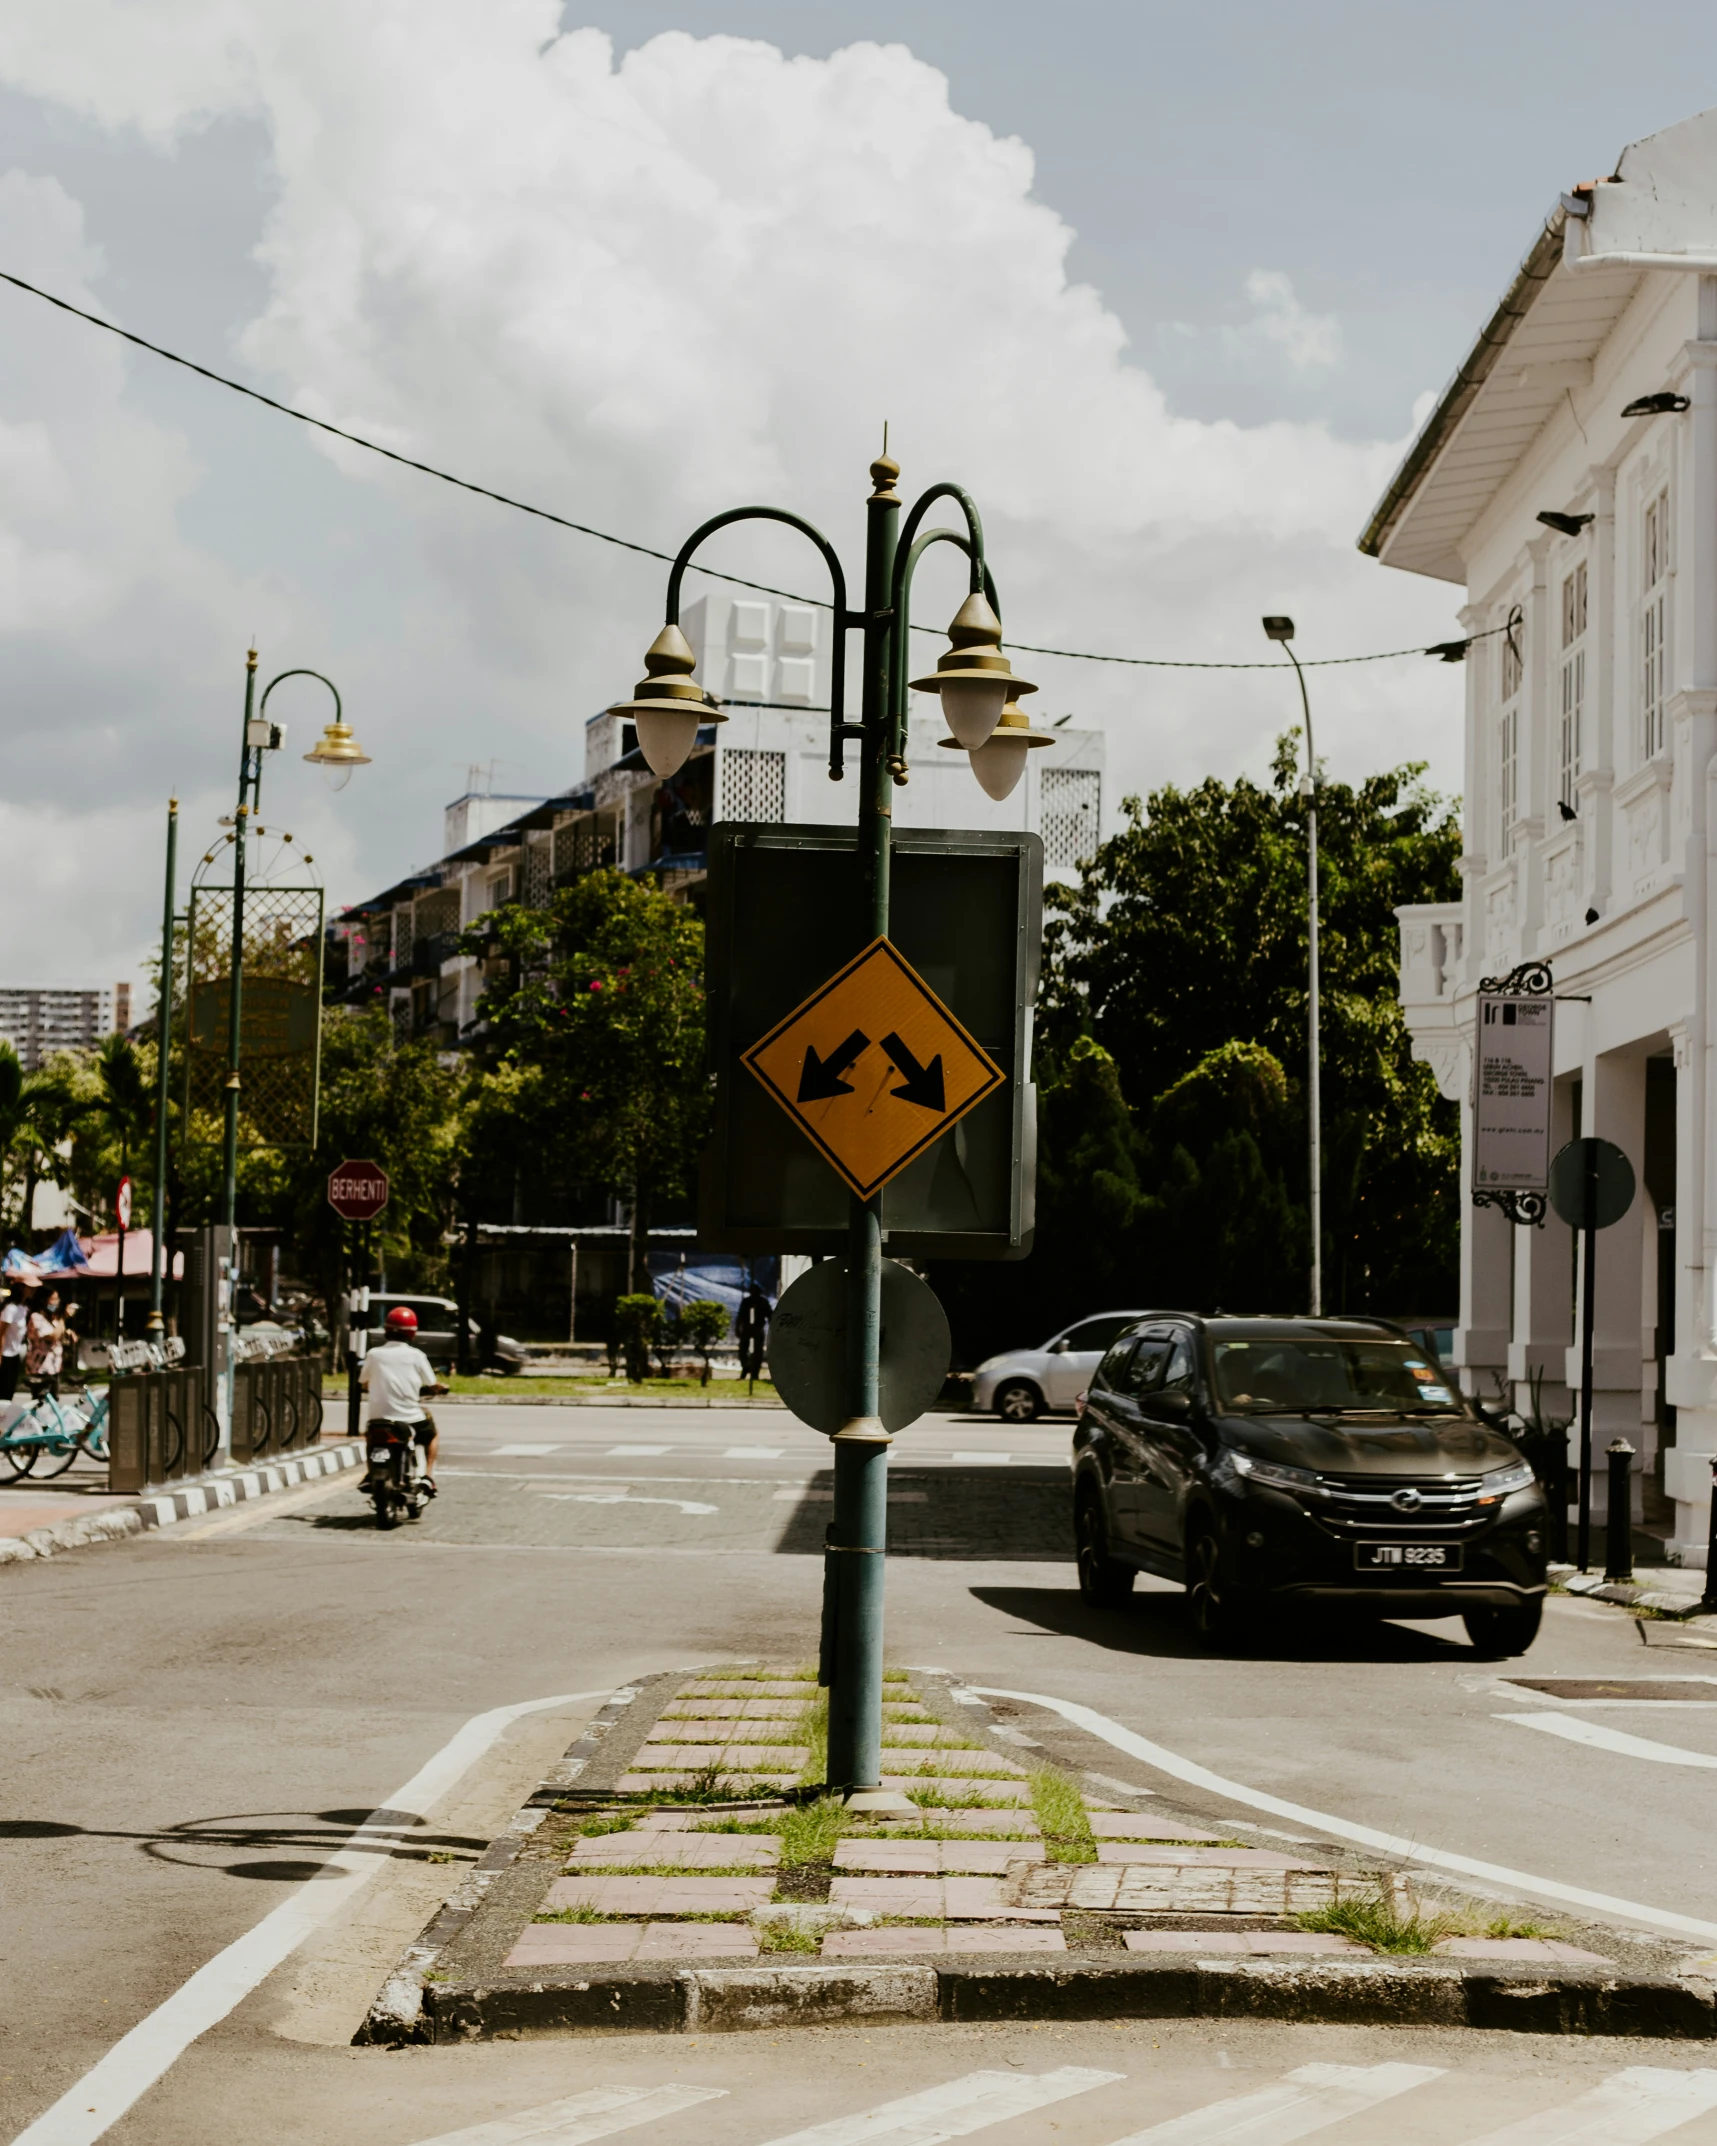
column 684, row 1869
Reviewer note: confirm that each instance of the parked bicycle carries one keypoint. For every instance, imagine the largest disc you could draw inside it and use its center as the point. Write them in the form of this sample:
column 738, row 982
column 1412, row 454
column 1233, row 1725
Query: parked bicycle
column 43, row 1437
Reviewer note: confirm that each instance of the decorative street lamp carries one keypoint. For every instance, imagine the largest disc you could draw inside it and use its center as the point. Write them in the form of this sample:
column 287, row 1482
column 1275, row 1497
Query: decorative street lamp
column 977, row 688
column 336, row 750
column 1282, row 630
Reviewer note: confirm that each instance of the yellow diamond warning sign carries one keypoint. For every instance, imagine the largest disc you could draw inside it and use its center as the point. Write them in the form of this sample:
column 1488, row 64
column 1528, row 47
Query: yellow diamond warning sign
column 873, row 1067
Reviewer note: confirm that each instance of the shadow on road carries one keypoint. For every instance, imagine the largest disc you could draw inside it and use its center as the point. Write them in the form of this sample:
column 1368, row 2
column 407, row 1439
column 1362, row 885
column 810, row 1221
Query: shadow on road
column 1156, row 1624
column 191, row 1843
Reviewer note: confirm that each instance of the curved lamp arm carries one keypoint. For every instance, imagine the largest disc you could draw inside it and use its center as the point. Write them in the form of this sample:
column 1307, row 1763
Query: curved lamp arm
column 339, row 715
column 905, row 566
column 1306, row 704
column 839, row 727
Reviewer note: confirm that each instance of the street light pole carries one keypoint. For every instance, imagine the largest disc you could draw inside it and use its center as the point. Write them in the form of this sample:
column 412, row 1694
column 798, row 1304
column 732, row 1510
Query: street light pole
column 976, row 685
column 1282, row 630
column 337, row 751
column 157, row 1326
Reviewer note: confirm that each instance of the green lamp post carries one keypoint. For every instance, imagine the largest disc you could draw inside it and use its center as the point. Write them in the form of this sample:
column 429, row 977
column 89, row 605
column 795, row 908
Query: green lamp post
column 978, row 692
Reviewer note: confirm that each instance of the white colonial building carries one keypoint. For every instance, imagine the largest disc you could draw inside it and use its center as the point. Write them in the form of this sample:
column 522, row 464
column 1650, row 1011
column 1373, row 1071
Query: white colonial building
column 1568, row 480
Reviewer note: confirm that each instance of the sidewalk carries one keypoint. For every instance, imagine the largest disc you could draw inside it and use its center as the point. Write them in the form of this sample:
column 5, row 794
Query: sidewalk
column 41, row 1520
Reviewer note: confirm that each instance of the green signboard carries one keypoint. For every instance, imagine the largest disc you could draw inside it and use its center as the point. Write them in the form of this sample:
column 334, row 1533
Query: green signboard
column 966, row 911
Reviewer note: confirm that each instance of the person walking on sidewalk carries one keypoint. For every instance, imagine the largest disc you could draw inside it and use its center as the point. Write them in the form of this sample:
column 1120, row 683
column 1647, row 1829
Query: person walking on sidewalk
column 14, row 1326
column 396, row 1375
column 45, row 1344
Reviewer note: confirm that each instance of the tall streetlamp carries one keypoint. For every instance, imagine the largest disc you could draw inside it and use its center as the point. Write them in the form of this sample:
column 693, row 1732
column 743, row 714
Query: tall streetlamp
column 157, row 1327
column 977, row 689
column 1282, row 630
column 338, row 751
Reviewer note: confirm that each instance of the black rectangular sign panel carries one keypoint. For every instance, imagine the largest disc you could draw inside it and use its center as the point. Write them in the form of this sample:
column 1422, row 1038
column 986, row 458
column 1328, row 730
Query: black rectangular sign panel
column 784, row 913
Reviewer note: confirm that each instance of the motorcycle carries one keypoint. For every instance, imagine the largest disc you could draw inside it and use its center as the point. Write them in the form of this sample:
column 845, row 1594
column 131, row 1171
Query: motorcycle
column 398, row 1484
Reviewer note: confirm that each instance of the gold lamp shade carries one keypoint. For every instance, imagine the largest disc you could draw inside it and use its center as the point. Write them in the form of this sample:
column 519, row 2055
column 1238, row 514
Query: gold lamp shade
column 668, row 704
column 974, row 678
column 338, row 748
column 1000, row 761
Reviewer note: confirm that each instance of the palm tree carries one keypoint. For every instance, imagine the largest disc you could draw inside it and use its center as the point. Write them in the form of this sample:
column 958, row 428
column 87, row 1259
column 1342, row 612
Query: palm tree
column 125, row 1100
column 34, row 1109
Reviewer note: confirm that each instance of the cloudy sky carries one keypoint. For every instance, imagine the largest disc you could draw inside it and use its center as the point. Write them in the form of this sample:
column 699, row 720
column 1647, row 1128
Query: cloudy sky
column 1163, row 286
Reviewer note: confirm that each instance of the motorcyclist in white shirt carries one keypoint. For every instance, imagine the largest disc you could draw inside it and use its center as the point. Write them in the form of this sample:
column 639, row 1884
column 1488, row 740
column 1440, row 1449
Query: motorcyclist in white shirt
column 396, row 1374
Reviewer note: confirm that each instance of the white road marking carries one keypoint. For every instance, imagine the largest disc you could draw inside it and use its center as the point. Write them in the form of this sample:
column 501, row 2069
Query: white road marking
column 1308, row 2100
column 1578, row 1731
column 1628, row 2109
column 640, row 1452
column 595, row 2115
column 952, row 2111
column 986, row 1459
column 134, row 2063
column 1392, row 1844
column 622, row 1497
column 755, row 1453
column 523, row 1452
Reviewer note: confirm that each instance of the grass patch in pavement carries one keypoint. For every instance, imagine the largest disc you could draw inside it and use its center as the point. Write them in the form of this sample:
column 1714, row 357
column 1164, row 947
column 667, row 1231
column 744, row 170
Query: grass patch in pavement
column 1061, row 1817
column 784, row 1937
column 807, row 1831
column 931, row 1797
column 812, row 1731
column 1377, row 1920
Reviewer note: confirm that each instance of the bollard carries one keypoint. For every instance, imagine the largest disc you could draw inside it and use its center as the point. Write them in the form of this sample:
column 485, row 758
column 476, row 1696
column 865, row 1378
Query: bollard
column 1619, row 1520
column 1709, row 1600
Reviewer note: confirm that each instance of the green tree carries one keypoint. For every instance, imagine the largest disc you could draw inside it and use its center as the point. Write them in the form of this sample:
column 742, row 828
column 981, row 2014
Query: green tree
column 702, row 1324
column 638, row 1320
column 1187, row 932
column 597, row 1049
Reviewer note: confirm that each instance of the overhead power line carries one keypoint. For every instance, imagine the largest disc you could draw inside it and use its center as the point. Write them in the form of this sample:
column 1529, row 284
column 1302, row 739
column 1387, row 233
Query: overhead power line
column 1449, row 651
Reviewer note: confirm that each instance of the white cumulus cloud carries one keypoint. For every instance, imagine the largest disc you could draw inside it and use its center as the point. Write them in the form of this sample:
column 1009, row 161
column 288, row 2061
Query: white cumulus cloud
column 639, row 291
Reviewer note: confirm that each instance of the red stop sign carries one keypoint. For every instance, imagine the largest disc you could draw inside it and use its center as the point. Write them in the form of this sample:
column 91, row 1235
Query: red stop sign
column 358, row 1191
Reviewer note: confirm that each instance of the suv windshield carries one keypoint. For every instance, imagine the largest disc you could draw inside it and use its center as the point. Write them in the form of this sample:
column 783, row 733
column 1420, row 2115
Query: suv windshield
column 1320, row 1376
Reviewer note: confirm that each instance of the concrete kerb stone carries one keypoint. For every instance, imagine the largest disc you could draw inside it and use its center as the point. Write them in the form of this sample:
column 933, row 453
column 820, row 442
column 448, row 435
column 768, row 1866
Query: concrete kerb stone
column 185, row 1501
column 1684, row 1604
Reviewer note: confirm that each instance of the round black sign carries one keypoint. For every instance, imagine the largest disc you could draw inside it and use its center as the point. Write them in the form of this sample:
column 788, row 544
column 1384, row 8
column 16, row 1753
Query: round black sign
column 1591, row 1184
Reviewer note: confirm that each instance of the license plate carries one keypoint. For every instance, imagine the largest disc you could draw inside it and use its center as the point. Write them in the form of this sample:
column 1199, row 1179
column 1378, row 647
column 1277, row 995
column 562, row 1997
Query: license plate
column 1407, row 1556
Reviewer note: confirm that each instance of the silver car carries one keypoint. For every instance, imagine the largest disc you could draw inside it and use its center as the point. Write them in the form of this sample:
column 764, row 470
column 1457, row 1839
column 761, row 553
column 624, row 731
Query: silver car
column 1023, row 1384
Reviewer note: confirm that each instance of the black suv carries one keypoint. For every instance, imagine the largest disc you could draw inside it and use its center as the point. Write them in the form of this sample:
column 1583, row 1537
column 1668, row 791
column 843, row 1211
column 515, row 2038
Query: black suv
column 1312, row 1460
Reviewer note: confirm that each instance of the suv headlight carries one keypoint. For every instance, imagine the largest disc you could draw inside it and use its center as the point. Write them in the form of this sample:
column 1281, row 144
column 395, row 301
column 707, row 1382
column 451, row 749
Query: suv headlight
column 1502, row 1482
column 1278, row 1475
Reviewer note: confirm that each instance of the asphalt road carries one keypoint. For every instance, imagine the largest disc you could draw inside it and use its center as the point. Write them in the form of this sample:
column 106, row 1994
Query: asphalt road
column 194, row 1720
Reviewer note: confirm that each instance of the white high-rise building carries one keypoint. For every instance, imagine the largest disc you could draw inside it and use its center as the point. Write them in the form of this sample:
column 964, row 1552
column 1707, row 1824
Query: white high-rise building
column 39, row 1019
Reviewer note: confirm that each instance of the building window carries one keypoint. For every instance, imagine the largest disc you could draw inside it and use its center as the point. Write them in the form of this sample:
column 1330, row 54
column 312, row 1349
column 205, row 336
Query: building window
column 500, row 890
column 1573, row 680
column 1069, row 800
column 1653, row 624
column 1508, row 773
column 753, row 785
column 1508, row 727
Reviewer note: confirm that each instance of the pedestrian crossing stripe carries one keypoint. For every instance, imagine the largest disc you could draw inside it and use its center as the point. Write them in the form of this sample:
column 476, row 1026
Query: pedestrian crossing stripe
column 1629, row 2108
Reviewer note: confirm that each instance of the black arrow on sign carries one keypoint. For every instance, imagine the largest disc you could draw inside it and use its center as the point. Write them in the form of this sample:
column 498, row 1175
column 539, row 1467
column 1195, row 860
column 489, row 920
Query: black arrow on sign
column 821, row 1077
column 919, row 1084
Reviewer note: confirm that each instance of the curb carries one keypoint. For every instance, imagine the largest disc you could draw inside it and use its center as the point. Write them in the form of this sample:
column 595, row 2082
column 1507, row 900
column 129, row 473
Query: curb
column 1346, row 1993
column 1626, row 1595
column 161, row 1509
column 398, row 2014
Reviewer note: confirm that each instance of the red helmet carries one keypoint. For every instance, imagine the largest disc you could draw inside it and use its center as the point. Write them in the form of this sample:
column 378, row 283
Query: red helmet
column 402, row 1320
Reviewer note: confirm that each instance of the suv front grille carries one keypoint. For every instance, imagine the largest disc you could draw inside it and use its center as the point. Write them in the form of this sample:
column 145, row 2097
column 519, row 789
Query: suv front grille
column 1367, row 1505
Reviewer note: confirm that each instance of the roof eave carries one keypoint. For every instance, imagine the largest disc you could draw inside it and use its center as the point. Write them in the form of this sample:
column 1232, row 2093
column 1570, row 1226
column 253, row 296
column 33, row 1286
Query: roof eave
column 1540, row 264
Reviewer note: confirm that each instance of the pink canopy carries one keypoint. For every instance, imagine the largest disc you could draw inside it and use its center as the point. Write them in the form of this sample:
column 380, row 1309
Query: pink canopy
column 103, row 1256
